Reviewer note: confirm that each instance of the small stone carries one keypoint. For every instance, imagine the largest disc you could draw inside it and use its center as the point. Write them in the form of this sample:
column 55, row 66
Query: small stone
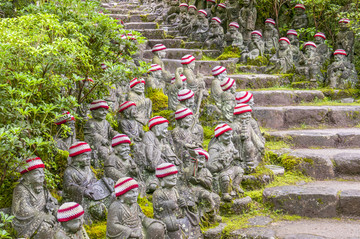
column 241, row 205
column 347, row 100
column 277, row 170
column 260, row 221
column 215, row 233
column 253, row 232
column 304, row 236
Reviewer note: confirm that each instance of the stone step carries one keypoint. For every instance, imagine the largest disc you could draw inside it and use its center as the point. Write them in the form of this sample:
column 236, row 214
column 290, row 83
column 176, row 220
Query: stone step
column 176, row 53
column 151, row 33
column 323, row 199
column 193, row 45
column 304, row 116
column 122, row 6
column 169, row 43
column 331, row 138
column 254, row 81
column 141, row 25
column 326, row 163
column 285, row 97
column 132, row 18
column 251, row 69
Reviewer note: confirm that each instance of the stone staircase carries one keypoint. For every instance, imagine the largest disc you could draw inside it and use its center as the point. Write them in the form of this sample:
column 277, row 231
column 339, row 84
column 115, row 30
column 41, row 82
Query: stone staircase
column 324, row 135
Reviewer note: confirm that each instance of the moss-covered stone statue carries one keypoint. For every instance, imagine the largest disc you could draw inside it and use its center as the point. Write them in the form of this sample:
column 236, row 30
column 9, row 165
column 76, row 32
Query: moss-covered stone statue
column 228, row 86
column 184, row 19
column 232, row 8
column 247, row 19
column 250, row 145
column 224, row 163
column 64, row 139
column 33, row 207
column 292, row 35
column 341, row 73
column 81, row 185
column 179, row 216
column 155, row 78
column 210, row 8
column 192, row 18
column 219, row 73
column 178, row 83
column 71, row 218
column 322, row 49
column 282, row 61
column 300, row 19
column 136, row 95
column 233, row 37
column 255, row 48
column 200, row 181
column 126, row 219
column 345, row 38
column 159, row 51
column 310, row 64
column 186, row 99
column 98, row 132
column 200, row 27
column 187, row 134
column 215, row 35
column 221, row 13
column 271, row 36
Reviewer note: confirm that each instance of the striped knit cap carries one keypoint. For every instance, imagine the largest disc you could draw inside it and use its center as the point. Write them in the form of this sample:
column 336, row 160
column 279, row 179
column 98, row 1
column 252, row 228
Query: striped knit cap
column 285, row 39
column 221, row 128
column 31, row 164
column 217, row 70
column 203, row 12
column 344, row 20
column 79, row 148
column 310, row 43
column 66, row 116
column 165, row 169
column 216, row 19
column 97, row 104
column 243, row 97
column 234, row 24
column 183, row 5
column 136, row 81
column 300, row 6
column 182, row 113
column 126, row 105
column 187, row 59
column 223, row 5
column 270, row 20
column 292, row 32
column 201, row 151
column 69, row 211
column 182, row 77
column 154, row 67
column 241, row 109
column 340, row 52
column 192, row 6
column 185, row 94
column 103, row 66
column 157, row 120
column 256, row 33
column 227, row 83
column 320, row 34
column 158, row 47
column 124, row 185
column 120, row 139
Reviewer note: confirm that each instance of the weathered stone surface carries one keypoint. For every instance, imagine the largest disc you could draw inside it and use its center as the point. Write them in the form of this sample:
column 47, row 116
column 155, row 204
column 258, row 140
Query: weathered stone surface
column 140, row 25
column 176, row 53
column 259, row 221
column 169, row 43
column 253, row 233
column 252, row 69
column 277, row 170
column 285, row 97
column 297, row 116
column 333, row 138
column 152, row 33
column 237, row 206
column 316, row 199
column 304, row 236
column 193, row 45
column 349, row 202
column 132, row 18
column 215, row 233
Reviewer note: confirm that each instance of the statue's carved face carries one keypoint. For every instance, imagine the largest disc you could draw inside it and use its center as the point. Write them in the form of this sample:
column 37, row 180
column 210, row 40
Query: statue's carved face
column 269, row 26
column 210, row 4
column 343, row 26
column 71, row 125
column 36, row 179
column 226, row 137
column 157, row 74
column 191, row 66
column 255, row 37
column 283, row 45
column 130, row 112
column 139, row 88
column 82, row 160
column 222, row 75
column 291, row 37
column 73, row 225
column 319, row 40
column 233, row 89
column 201, row 16
column 189, row 103
column 130, row 197
column 339, row 57
column 192, row 11
column 246, row 2
column 99, row 114
column 186, row 122
column 251, row 103
column 122, row 150
column 299, row 11
column 201, row 161
column 183, row 9
column 310, row 50
column 161, row 54
column 169, row 181
column 232, row 29
column 161, row 130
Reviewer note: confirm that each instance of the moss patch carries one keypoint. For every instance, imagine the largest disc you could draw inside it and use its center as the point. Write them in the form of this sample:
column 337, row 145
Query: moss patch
column 96, row 230
column 158, row 98
column 229, row 52
column 258, row 61
column 146, row 206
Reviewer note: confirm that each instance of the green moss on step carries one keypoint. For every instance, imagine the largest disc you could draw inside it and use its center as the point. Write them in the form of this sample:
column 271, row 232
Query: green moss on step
column 258, row 61
column 96, row 230
column 229, row 52
column 146, row 206
column 158, row 98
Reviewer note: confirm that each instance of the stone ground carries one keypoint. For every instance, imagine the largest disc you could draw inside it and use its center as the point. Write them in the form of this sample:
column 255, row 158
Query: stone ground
column 326, row 135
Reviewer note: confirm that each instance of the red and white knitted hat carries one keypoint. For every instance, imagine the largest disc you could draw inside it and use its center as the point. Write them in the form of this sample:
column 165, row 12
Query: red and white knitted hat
column 203, row 12
column 217, row 70
column 69, row 211
column 201, row 151
column 79, row 148
column 227, row 83
column 284, row 39
column 154, row 67
column 310, row 43
column 157, row 120
column 165, row 169
column 270, row 20
column 120, row 139
column 320, row 34
column 192, row 6
column 31, row 164
column 136, row 81
column 103, row 66
column 131, row 36
column 243, row 97
column 89, row 80
column 126, row 105
column 256, row 32
column 185, row 94
column 66, row 117
column 182, row 113
column 183, row 5
column 158, row 47
column 340, row 52
column 123, row 37
column 97, row 104
column 187, row 59
column 300, row 6
column 344, row 20
column 211, row 1
column 216, row 19
column 223, row 5
column 241, row 109
column 182, row 77
column 292, row 32
column 124, row 185
column 234, row 24
column 221, row 128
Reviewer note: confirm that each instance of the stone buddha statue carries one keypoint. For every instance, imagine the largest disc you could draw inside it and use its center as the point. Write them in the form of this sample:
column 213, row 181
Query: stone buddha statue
column 345, row 38
column 219, row 73
column 255, row 48
column 300, row 19
column 215, row 35
column 282, row 61
column 310, row 64
column 271, row 36
column 322, row 49
column 200, row 27
column 247, row 19
column 233, row 37
column 65, row 139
